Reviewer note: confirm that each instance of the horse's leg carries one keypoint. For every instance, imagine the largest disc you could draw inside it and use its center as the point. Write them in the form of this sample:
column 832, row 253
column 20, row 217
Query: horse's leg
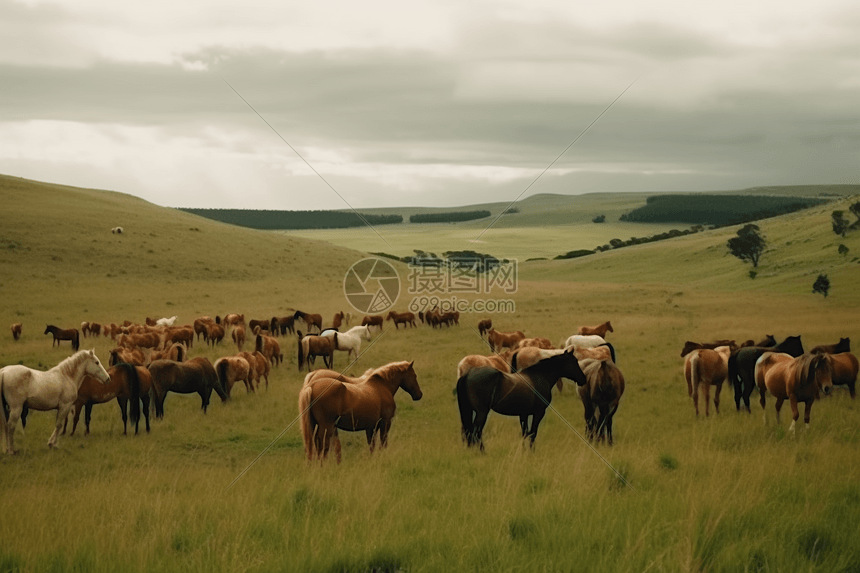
column 706, row 390
column 610, row 416
column 385, row 426
column 696, row 398
column 717, row 390
column 77, row 417
column 795, row 413
column 524, row 424
column 11, row 423
column 205, row 393
column 779, row 402
column 478, row 431
column 88, row 415
column 806, row 412
column 145, row 400
column 62, row 412
column 747, row 392
column 371, row 437
column 536, row 419
column 123, row 410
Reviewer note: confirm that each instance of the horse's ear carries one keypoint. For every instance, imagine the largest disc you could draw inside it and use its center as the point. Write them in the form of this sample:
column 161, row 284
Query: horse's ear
column 411, row 363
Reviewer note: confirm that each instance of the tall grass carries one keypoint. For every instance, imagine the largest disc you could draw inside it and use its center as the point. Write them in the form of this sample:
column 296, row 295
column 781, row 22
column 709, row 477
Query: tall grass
column 726, row 493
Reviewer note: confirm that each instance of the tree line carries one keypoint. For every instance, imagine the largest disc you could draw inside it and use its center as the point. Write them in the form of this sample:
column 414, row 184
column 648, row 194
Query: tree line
column 716, row 210
column 281, row 220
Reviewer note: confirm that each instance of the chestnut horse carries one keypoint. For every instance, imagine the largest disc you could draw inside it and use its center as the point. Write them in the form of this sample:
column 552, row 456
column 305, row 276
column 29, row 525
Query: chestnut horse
column 310, row 319
column 599, row 330
column 329, row 404
column 282, row 325
column 127, row 355
column 311, row 346
column 70, row 334
column 742, row 366
column 703, row 368
column 127, row 383
column 231, row 369
column 497, row 361
column 238, row 335
column 536, row 342
column 194, row 376
column 270, row 348
column 55, row 389
column 499, row 340
column 337, row 321
column 404, row 318
column 799, row 379
column 16, row 331
column 484, row 326
column 600, row 396
column 259, row 365
column 374, row 320
column 526, row 393
column 845, row 369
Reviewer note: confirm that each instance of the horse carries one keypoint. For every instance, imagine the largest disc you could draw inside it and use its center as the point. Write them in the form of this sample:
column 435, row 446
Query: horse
column 599, row 330
column 16, row 331
column 498, row 340
column 526, row 393
column 91, row 328
column 349, row 341
column 584, row 341
column 544, row 343
column 705, row 367
column 166, row 321
column 233, row 319
column 201, row 327
column 282, row 325
column 231, row 369
column 70, row 334
column 270, row 348
column 372, row 321
column 845, row 369
column 329, row 404
column 742, row 366
column 214, row 334
column 127, row 383
column 690, row 346
column 177, row 352
column 259, row 365
column 127, row 355
column 337, row 321
column 450, row 318
column 484, row 326
column 311, row 346
column 601, row 392
column 404, row 318
column 238, row 336
column 472, row 361
column 255, row 324
column 194, row 376
column 55, row 389
column 310, row 320
column 184, row 334
column 844, row 345
column 798, row 379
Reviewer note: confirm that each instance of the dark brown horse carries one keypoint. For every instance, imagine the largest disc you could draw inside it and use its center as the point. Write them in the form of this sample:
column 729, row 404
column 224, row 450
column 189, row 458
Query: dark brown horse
column 70, row 334
column 844, row 345
column 311, row 320
column 600, row 396
column 282, row 325
column 337, row 321
column 845, row 369
column 374, row 320
column 329, row 404
column 194, row 376
column 16, row 331
column 526, row 393
column 742, row 366
column 404, row 318
column 128, row 384
column 312, row 345
column 484, row 326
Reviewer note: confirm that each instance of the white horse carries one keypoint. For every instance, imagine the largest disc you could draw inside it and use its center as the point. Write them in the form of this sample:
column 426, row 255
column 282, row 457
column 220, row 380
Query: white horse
column 117, row 230
column 165, row 321
column 349, row 341
column 56, row 389
column 584, row 341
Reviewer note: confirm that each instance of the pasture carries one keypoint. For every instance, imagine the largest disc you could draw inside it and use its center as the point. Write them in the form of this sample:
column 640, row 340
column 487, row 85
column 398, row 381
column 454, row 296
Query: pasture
column 232, row 490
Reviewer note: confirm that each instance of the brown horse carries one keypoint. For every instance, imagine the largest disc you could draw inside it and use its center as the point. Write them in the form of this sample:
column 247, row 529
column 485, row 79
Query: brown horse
column 742, row 366
column 260, row 367
column 16, row 331
column 404, row 318
column 690, row 346
column 600, row 330
column 70, row 334
column 310, row 319
column 127, row 383
column 194, row 376
column 201, row 327
column 127, row 355
column 844, row 345
column 544, row 343
column 90, row 329
column 600, row 396
column 147, row 340
column 231, row 369
column 526, row 393
column 499, row 340
column 238, row 335
column 233, row 319
column 374, row 320
column 282, row 325
column 497, row 361
column 329, row 404
column 845, row 369
column 311, row 346
column 177, row 352
column 703, row 368
column 798, row 379
column 184, row 334
column 337, row 321
column 484, row 326
column 270, row 348
column 214, row 334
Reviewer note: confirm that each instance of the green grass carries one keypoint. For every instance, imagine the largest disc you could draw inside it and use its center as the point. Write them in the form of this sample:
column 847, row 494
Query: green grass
column 727, row 493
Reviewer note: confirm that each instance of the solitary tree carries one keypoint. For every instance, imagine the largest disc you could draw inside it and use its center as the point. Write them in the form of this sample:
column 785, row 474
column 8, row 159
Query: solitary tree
column 840, row 223
column 599, row 219
column 822, row 285
column 748, row 245
column 843, row 250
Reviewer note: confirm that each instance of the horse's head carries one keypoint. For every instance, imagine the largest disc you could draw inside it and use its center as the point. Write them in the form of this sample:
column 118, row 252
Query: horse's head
column 815, row 369
column 94, row 368
column 571, row 368
column 367, row 333
column 792, row 345
column 409, row 382
column 843, row 346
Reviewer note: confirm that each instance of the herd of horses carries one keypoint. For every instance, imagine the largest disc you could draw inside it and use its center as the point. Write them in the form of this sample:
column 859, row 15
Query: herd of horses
column 516, row 378
column 782, row 370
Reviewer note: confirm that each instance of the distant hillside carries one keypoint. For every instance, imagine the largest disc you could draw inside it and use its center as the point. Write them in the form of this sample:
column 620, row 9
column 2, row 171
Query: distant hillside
column 716, row 210
column 284, row 220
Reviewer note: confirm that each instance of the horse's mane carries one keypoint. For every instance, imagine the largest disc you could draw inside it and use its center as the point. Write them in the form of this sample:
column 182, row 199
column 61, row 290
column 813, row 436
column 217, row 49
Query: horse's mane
column 70, row 364
column 386, row 369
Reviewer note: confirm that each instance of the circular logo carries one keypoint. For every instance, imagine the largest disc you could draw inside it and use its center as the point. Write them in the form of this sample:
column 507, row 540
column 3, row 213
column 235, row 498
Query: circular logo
column 371, row 286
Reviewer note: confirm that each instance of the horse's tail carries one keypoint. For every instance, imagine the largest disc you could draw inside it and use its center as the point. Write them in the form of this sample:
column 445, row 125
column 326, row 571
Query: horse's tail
column 514, row 362
column 134, row 390
column 76, row 341
column 180, row 353
column 733, row 368
column 301, row 354
column 611, row 351
column 466, row 410
column 258, row 345
column 305, row 399
column 222, row 367
column 694, row 373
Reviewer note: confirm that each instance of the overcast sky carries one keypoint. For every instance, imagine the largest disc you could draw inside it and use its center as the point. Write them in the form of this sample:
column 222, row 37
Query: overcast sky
column 432, row 103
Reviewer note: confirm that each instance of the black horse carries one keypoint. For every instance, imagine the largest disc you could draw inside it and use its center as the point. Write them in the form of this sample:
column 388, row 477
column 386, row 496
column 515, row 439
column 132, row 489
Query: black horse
column 525, row 393
column 742, row 366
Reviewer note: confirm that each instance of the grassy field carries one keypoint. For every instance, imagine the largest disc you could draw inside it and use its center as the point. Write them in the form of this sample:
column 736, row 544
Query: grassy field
column 231, row 490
